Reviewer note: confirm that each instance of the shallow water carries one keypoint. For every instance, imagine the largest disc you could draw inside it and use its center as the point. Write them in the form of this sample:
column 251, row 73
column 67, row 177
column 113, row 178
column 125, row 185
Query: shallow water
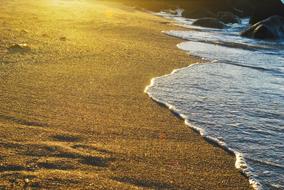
column 236, row 99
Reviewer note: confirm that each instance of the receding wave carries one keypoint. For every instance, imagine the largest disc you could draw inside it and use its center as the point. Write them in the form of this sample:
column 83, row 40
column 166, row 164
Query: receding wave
column 235, row 100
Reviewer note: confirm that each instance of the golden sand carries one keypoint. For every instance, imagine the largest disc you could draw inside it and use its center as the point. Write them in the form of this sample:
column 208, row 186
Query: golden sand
column 73, row 114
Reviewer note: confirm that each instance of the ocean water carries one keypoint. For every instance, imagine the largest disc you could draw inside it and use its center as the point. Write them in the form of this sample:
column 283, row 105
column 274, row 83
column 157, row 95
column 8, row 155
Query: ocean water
column 235, row 97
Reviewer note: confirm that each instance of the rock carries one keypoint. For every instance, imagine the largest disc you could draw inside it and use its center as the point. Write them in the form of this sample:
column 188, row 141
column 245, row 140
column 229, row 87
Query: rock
column 266, row 8
column 242, row 8
column 270, row 28
column 238, row 12
column 177, row 12
column 23, row 31
column 209, row 23
column 200, row 13
column 19, row 48
column 228, row 17
column 63, row 38
column 26, row 183
column 26, row 180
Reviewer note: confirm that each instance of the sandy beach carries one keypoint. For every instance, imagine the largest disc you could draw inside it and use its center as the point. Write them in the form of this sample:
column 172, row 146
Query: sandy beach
column 73, row 112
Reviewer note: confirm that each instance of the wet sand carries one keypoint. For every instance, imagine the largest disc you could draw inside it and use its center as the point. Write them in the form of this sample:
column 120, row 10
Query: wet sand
column 73, row 112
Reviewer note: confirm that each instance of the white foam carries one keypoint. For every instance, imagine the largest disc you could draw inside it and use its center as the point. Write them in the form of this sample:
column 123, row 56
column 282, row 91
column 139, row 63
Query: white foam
column 240, row 160
column 213, row 45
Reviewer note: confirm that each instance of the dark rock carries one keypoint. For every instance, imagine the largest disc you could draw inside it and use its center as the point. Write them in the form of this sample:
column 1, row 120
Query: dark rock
column 266, row 8
column 209, row 8
column 238, row 12
column 242, row 8
column 270, row 28
column 228, row 17
column 209, row 23
column 198, row 13
column 177, row 12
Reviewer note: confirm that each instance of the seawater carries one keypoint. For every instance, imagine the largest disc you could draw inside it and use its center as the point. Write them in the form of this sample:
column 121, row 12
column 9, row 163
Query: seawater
column 235, row 97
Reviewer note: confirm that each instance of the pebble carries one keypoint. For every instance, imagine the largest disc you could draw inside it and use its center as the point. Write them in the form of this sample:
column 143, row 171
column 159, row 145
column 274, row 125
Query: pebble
column 19, row 48
column 63, row 38
column 27, row 180
column 24, row 31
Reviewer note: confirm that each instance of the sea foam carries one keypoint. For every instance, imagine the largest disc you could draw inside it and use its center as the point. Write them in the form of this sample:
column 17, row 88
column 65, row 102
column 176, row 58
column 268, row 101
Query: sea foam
column 234, row 100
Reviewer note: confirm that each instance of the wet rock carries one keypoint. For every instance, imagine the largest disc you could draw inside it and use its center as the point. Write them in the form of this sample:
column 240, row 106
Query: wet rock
column 19, row 48
column 228, row 17
column 177, row 12
column 266, row 8
column 200, row 13
column 242, row 8
column 270, row 28
column 209, row 23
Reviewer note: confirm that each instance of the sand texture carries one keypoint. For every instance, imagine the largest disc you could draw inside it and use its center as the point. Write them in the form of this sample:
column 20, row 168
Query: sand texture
column 73, row 112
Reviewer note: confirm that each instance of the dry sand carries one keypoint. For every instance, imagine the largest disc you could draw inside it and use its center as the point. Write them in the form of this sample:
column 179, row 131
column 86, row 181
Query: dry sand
column 73, row 114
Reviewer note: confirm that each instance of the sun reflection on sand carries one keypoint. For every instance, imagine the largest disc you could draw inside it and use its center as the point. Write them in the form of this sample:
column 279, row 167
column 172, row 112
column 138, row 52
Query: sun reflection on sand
column 68, row 3
column 109, row 13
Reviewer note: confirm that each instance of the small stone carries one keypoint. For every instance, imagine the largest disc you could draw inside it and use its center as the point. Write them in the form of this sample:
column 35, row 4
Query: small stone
column 24, row 31
column 19, row 48
column 27, row 180
column 63, row 38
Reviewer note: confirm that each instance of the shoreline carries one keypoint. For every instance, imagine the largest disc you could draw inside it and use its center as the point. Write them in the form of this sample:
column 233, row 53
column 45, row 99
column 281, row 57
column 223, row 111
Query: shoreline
column 255, row 163
column 80, row 93
column 240, row 162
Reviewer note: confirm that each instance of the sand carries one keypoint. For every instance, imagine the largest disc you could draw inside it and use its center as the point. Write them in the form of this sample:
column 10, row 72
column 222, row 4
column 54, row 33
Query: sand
column 73, row 112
